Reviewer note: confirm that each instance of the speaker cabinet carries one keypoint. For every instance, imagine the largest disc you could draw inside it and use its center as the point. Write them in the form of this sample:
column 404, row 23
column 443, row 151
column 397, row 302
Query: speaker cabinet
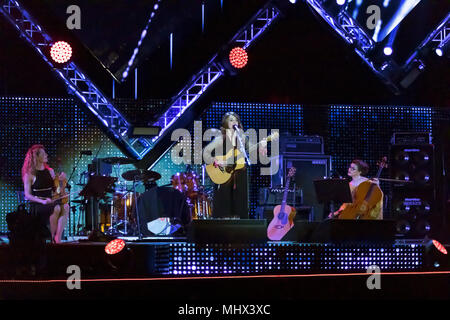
column 309, row 168
column 413, row 202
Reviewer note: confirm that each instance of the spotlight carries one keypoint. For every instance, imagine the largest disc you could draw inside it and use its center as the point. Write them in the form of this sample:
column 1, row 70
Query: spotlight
column 436, row 255
column 61, row 52
column 115, row 246
column 238, row 57
column 150, row 131
column 439, row 52
column 340, row 2
column 293, row 1
column 439, row 246
column 387, row 51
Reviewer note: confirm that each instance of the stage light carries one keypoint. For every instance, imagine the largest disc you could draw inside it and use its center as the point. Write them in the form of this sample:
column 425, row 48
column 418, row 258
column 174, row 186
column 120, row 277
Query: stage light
column 238, row 58
column 115, row 246
column 61, row 52
column 387, row 51
column 293, row 1
column 439, row 246
column 436, row 255
column 439, row 52
column 150, row 131
column 340, row 2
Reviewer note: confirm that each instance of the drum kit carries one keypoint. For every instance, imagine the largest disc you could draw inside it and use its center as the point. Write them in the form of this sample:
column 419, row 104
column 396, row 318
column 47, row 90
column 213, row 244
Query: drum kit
column 197, row 196
column 117, row 208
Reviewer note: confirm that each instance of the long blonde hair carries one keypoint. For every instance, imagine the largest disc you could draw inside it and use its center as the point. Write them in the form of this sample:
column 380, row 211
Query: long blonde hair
column 30, row 162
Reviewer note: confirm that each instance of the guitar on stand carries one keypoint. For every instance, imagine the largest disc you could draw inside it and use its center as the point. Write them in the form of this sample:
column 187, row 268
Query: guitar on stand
column 220, row 175
column 283, row 215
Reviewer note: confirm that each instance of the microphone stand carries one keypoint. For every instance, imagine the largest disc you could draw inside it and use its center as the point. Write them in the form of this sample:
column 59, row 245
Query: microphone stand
column 242, row 146
column 69, row 187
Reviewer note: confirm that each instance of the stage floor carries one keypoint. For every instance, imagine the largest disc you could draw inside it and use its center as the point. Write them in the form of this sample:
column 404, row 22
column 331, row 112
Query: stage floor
column 173, row 269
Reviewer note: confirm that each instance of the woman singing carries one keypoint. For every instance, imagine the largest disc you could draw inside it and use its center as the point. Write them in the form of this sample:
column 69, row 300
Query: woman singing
column 38, row 179
column 356, row 171
column 231, row 198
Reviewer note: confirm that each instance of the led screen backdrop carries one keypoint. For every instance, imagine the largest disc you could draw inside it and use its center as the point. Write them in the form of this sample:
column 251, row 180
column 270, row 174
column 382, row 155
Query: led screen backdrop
column 349, row 132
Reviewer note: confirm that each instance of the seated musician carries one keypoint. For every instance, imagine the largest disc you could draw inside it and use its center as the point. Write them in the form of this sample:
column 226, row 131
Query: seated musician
column 356, row 171
column 38, row 179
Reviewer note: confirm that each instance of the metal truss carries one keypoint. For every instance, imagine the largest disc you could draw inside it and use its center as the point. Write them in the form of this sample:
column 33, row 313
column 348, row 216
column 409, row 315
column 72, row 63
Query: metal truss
column 214, row 69
column 439, row 36
column 76, row 81
column 345, row 26
column 109, row 117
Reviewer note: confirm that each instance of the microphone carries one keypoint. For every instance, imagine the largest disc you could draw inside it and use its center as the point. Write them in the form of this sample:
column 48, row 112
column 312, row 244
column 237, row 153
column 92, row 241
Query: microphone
column 235, row 127
column 86, row 152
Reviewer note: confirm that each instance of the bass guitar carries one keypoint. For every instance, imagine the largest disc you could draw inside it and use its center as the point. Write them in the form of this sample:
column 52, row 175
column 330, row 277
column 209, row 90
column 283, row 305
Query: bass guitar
column 367, row 195
column 220, row 175
column 283, row 215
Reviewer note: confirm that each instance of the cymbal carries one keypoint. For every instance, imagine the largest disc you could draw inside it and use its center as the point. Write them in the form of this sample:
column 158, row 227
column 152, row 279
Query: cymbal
column 118, row 160
column 142, row 175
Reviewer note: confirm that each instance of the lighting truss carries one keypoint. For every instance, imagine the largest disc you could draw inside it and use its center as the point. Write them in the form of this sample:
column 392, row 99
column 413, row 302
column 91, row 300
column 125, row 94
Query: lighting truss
column 76, row 81
column 346, row 27
column 436, row 38
column 214, row 70
column 109, row 117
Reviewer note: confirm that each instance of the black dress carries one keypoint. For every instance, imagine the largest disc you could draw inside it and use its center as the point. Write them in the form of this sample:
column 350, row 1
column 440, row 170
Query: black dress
column 42, row 187
column 231, row 198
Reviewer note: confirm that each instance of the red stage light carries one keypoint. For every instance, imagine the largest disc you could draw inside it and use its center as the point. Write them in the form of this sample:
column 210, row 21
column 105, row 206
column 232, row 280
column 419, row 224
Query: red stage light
column 115, row 246
column 238, row 57
column 439, row 246
column 61, row 52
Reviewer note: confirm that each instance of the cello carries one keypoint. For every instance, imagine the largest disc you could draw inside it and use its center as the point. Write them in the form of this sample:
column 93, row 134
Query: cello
column 367, row 195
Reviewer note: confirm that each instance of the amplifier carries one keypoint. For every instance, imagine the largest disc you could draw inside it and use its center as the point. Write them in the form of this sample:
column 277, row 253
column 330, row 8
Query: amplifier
column 274, row 196
column 411, row 138
column 301, row 145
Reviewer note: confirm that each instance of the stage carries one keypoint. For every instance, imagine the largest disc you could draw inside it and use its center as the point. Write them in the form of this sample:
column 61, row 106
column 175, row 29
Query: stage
column 176, row 270
column 118, row 125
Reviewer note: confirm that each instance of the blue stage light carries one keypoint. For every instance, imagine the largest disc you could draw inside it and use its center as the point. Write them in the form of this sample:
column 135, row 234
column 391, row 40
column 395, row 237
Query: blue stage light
column 387, row 51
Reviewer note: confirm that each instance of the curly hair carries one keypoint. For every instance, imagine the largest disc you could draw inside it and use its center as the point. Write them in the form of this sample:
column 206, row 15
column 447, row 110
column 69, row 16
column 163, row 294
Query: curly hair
column 30, row 162
column 362, row 166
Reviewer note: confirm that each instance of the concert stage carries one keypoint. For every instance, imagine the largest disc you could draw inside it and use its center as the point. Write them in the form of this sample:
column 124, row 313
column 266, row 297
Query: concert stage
column 177, row 269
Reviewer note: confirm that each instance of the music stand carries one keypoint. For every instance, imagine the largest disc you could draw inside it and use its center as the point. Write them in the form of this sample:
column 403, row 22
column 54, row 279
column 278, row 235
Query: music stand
column 96, row 189
column 97, row 186
column 332, row 190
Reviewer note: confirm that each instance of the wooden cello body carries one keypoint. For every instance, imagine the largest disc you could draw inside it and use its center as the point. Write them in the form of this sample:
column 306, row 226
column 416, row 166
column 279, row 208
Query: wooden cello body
column 367, row 196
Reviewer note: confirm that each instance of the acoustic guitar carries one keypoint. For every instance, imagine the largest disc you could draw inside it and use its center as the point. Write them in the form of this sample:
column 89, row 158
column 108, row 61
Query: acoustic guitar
column 220, row 175
column 283, row 215
column 367, row 195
